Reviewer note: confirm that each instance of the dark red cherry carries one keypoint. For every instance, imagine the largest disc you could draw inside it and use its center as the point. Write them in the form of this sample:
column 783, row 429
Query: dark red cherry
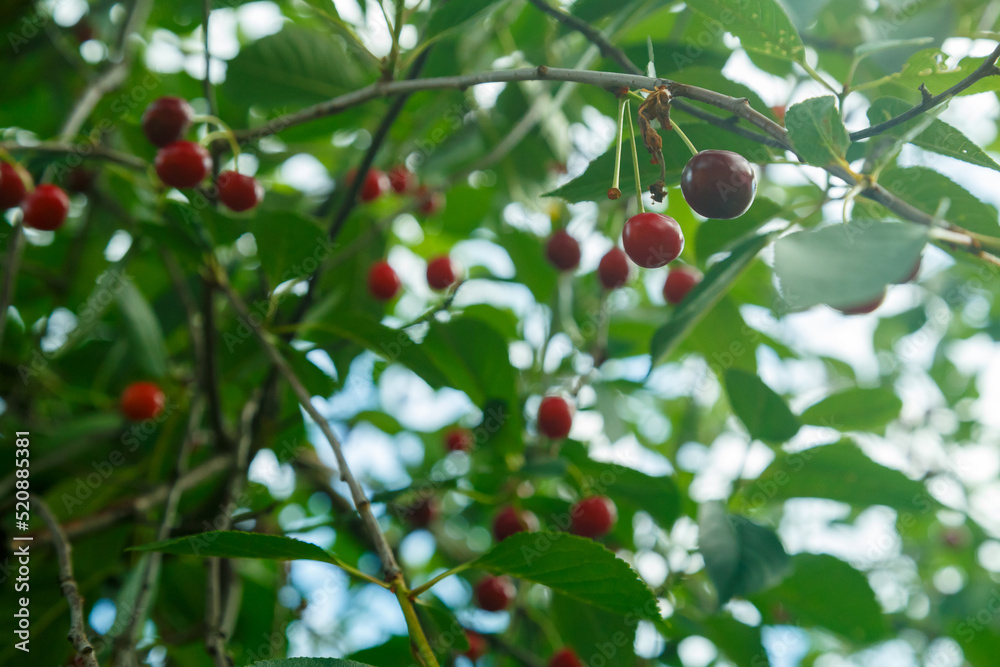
column 167, row 120
column 719, row 184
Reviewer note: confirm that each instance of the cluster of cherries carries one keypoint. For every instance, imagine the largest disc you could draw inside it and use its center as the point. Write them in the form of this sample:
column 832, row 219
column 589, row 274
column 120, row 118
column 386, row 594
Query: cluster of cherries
column 185, row 164
column 716, row 184
column 384, row 284
column 383, row 281
column 402, row 181
column 593, row 517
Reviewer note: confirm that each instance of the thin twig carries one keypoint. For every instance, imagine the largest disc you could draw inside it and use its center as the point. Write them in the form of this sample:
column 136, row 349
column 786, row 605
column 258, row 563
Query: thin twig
column 608, row 50
column 64, row 553
column 113, row 76
column 139, row 504
column 987, row 68
column 219, row 603
column 151, row 562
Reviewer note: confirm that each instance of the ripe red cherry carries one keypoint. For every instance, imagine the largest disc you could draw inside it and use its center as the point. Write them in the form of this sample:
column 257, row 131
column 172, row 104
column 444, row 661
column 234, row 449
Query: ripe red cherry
column 421, row 512
column 441, row 273
column 45, row 208
column 183, row 164
column 477, row 645
column 679, row 282
column 383, row 283
column 652, row 240
column 563, row 251
column 495, row 593
column 510, row 522
column 593, row 517
column 613, row 269
column 239, row 192
column 402, row 179
column 864, row 308
column 375, row 183
column 429, row 202
column 167, row 120
column 719, row 184
column 458, row 440
column 555, row 417
column 565, row 658
column 142, row 400
column 12, row 190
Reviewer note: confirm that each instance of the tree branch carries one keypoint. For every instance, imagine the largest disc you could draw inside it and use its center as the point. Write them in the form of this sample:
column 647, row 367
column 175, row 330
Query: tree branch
column 64, row 553
column 987, row 68
column 112, row 77
column 82, row 150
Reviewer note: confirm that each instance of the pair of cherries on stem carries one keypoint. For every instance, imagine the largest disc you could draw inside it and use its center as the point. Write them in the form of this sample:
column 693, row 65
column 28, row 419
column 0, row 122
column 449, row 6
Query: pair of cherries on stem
column 716, row 184
column 45, row 207
column 185, row 164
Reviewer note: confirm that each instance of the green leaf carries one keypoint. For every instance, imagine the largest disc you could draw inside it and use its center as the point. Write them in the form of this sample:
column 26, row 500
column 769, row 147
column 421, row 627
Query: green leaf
column 573, row 566
column 741, row 643
column 294, row 67
column 855, row 409
column 144, row 332
column 450, row 16
column 939, row 137
column 762, row 411
column 657, row 496
column 716, row 236
column 717, row 281
column 289, row 245
column 817, row 131
column 928, row 67
column 827, row 592
column 838, row 472
column 474, row 357
column 864, row 256
column 238, row 544
column 310, row 662
column 393, row 345
column 925, row 188
column 741, row 557
column 763, row 26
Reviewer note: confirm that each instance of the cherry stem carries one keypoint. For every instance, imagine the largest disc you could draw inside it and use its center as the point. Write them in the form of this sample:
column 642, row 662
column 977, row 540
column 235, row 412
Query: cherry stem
column 618, row 148
column 635, row 159
column 230, row 137
column 684, row 138
column 223, row 131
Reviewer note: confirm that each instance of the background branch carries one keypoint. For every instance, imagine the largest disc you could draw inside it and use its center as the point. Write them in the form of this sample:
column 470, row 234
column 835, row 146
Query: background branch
column 64, row 553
